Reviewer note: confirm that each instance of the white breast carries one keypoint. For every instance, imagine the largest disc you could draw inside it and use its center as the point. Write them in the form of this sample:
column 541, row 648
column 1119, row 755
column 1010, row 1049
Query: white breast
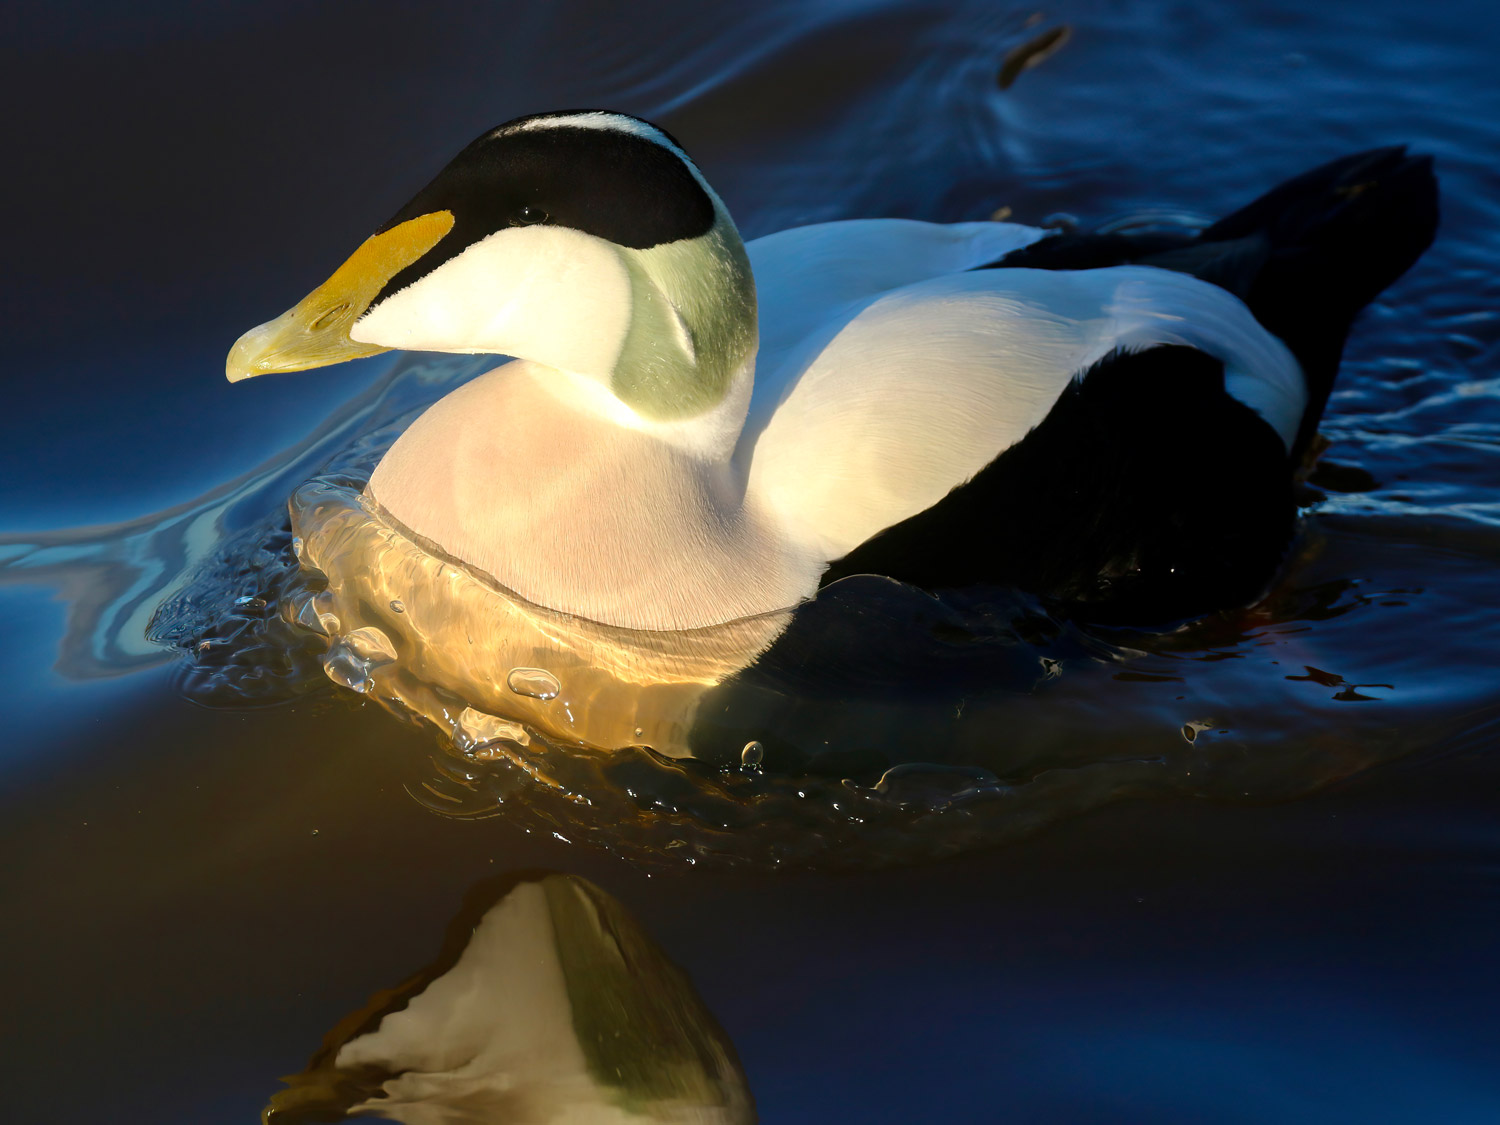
column 519, row 476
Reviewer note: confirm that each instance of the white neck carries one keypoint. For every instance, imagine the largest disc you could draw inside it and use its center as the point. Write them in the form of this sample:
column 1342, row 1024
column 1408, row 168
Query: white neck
column 709, row 436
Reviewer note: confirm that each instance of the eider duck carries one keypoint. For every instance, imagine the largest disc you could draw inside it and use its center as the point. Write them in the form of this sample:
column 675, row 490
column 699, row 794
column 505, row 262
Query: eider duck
column 694, row 430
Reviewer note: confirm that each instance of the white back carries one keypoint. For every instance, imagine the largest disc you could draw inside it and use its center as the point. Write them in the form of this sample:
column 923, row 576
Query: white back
column 920, row 389
column 810, row 280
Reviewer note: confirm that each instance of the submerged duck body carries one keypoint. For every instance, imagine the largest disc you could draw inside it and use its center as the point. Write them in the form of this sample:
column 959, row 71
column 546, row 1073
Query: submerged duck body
column 695, row 432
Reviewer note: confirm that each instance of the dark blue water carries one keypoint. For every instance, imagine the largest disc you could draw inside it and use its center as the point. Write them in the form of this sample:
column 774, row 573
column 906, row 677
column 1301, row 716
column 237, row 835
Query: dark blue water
column 195, row 895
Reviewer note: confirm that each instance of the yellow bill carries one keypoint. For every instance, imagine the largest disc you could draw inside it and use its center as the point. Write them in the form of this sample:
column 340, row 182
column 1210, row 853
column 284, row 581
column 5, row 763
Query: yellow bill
column 316, row 332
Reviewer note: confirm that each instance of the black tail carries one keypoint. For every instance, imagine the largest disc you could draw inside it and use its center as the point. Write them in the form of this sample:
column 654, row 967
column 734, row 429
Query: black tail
column 1306, row 256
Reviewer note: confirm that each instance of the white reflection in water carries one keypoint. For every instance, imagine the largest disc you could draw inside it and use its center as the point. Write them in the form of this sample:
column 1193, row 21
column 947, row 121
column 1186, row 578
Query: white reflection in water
column 550, row 1006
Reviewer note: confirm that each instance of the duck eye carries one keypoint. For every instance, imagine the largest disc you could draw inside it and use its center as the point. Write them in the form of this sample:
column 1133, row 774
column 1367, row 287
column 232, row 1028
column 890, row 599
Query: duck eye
column 530, row 216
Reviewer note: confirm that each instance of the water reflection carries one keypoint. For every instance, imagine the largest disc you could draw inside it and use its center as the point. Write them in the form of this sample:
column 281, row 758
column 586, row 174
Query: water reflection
column 471, row 657
column 547, row 1004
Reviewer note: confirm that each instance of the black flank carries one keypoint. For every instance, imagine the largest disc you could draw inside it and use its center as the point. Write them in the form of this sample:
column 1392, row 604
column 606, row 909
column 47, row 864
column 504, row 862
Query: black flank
column 1149, row 495
column 1306, row 257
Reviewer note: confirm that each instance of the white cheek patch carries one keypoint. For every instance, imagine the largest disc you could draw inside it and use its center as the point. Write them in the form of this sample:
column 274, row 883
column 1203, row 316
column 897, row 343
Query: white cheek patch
column 548, row 294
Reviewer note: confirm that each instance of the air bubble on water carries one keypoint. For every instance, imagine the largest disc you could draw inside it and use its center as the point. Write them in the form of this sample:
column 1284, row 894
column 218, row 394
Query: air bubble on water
column 328, row 621
column 938, row 787
column 932, row 772
column 371, row 645
column 305, row 614
column 476, row 731
column 345, row 667
column 538, row 683
column 752, row 755
column 397, row 606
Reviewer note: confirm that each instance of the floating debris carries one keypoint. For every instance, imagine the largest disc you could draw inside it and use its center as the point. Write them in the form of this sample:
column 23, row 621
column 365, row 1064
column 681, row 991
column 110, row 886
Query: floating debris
column 1032, row 52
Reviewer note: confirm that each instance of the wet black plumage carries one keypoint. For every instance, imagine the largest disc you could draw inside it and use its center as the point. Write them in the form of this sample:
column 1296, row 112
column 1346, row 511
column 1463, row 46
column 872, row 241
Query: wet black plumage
column 1148, row 494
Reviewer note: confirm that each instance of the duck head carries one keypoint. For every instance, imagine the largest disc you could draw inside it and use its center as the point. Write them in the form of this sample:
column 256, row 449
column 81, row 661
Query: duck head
column 583, row 241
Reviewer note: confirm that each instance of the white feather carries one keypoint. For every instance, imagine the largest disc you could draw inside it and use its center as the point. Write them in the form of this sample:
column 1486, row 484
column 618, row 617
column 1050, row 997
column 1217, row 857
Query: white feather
column 522, row 475
column 921, row 388
column 805, row 277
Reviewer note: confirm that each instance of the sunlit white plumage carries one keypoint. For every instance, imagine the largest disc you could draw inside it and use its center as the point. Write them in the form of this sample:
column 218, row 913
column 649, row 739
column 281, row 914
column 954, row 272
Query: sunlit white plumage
column 895, row 386
column 678, row 445
column 925, row 385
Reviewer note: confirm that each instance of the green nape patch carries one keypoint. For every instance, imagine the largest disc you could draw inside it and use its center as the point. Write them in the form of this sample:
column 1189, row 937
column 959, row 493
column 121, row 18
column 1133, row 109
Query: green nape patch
column 692, row 324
